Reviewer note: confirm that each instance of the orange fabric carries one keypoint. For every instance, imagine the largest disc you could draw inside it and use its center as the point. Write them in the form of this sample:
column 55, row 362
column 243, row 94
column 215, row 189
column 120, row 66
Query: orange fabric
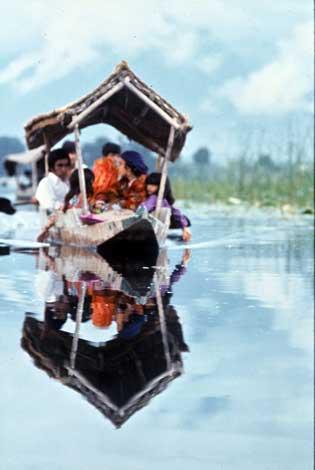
column 106, row 174
column 135, row 194
column 103, row 309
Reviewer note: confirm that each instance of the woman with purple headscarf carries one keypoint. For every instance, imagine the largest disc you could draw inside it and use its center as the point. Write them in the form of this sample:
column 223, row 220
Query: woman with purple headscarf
column 133, row 187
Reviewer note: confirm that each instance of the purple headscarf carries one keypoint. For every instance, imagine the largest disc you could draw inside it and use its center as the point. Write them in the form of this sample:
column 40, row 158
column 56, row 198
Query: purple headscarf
column 135, row 161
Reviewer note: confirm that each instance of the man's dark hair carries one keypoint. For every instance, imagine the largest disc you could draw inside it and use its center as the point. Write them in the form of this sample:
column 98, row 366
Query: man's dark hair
column 69, row 146
column 55, row 155
column 110, row 148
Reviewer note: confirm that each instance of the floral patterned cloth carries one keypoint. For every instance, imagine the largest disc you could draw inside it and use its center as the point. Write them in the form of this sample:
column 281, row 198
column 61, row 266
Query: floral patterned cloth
column 105, row 182
column 133, row 193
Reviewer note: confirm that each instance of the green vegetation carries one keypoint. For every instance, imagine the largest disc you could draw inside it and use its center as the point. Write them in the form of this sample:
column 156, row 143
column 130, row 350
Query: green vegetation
column 252, row 177
column 254, row 184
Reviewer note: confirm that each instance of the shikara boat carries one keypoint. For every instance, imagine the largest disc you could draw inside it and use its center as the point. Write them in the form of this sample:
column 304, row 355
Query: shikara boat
column 133, row 108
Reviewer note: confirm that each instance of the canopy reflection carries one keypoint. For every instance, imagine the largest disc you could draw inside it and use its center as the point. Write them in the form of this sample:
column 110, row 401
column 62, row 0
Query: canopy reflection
column 119, row 376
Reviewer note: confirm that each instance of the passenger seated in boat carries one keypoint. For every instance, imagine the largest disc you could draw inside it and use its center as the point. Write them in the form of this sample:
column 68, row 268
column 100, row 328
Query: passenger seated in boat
column 105, row 170
column 178, row 220
column 132, row 189
column 74, row 198
column 52, row 189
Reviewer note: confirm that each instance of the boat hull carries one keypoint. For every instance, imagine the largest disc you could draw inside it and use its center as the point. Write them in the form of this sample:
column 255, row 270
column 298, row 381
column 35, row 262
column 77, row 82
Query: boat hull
column 116, row 229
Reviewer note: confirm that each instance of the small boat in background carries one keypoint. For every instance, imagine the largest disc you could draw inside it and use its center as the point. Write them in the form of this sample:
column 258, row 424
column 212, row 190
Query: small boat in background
column 33, row 161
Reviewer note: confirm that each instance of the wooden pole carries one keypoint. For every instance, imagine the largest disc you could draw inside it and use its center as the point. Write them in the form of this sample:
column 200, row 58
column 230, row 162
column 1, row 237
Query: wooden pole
column 151, row 104
column 47, row 149
column 78, row 320
column 158, row 162
column 164, row 170
column 163, row 326
column 34, row 177
column 85, row 205
column 77, row 119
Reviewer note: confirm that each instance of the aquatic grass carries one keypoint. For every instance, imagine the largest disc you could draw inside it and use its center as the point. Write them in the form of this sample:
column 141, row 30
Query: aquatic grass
column 263, row 189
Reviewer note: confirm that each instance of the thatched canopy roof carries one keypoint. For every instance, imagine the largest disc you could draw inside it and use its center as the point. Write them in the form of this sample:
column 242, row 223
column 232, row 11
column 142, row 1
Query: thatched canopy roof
column 122, row 101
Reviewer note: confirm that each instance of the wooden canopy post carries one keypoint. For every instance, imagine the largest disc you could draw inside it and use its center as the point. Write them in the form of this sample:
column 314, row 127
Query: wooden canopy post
column 85, row 205
column 47, row 149
column 163, row 326
column 34, row 177
column 164, row 170
column 158, row 162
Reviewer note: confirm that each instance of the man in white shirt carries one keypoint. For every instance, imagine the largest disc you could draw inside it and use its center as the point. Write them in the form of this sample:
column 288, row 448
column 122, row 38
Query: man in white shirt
column 52, row 189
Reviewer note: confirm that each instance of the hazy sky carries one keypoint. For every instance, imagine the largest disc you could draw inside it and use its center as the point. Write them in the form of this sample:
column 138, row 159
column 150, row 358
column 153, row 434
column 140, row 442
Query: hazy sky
column 234, row 66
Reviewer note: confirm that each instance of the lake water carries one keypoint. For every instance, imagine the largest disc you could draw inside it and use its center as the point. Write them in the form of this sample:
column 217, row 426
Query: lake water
column 220, row 378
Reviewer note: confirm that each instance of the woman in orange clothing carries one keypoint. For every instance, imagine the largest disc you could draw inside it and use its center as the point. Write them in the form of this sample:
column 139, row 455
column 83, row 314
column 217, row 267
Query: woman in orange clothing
column 133, row 187
column 105, row 170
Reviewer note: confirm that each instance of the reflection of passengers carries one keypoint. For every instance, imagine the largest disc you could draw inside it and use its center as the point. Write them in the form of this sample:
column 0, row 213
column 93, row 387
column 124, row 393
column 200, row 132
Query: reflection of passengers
column 65, row 306
column 119, row 376
column 130, row 317
column 108, row 305
column 103, row 305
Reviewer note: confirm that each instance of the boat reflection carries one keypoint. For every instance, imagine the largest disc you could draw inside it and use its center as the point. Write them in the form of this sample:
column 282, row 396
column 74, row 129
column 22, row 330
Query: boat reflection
column 121, row 375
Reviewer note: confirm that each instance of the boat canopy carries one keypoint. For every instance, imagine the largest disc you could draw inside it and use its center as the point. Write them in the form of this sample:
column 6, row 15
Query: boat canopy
column 28, row 157
column 122, row 101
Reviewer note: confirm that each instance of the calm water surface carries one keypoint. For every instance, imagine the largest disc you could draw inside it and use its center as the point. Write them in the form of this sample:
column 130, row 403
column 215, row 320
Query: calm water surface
column 222, row 379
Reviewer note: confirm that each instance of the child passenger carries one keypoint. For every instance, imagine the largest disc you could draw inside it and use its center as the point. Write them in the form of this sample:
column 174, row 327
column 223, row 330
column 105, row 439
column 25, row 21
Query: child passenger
column 74, row 198
column 178, row 220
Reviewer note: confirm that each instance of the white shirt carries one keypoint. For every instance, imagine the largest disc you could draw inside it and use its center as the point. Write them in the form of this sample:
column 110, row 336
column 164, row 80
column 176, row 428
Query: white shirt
column 51, row 192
